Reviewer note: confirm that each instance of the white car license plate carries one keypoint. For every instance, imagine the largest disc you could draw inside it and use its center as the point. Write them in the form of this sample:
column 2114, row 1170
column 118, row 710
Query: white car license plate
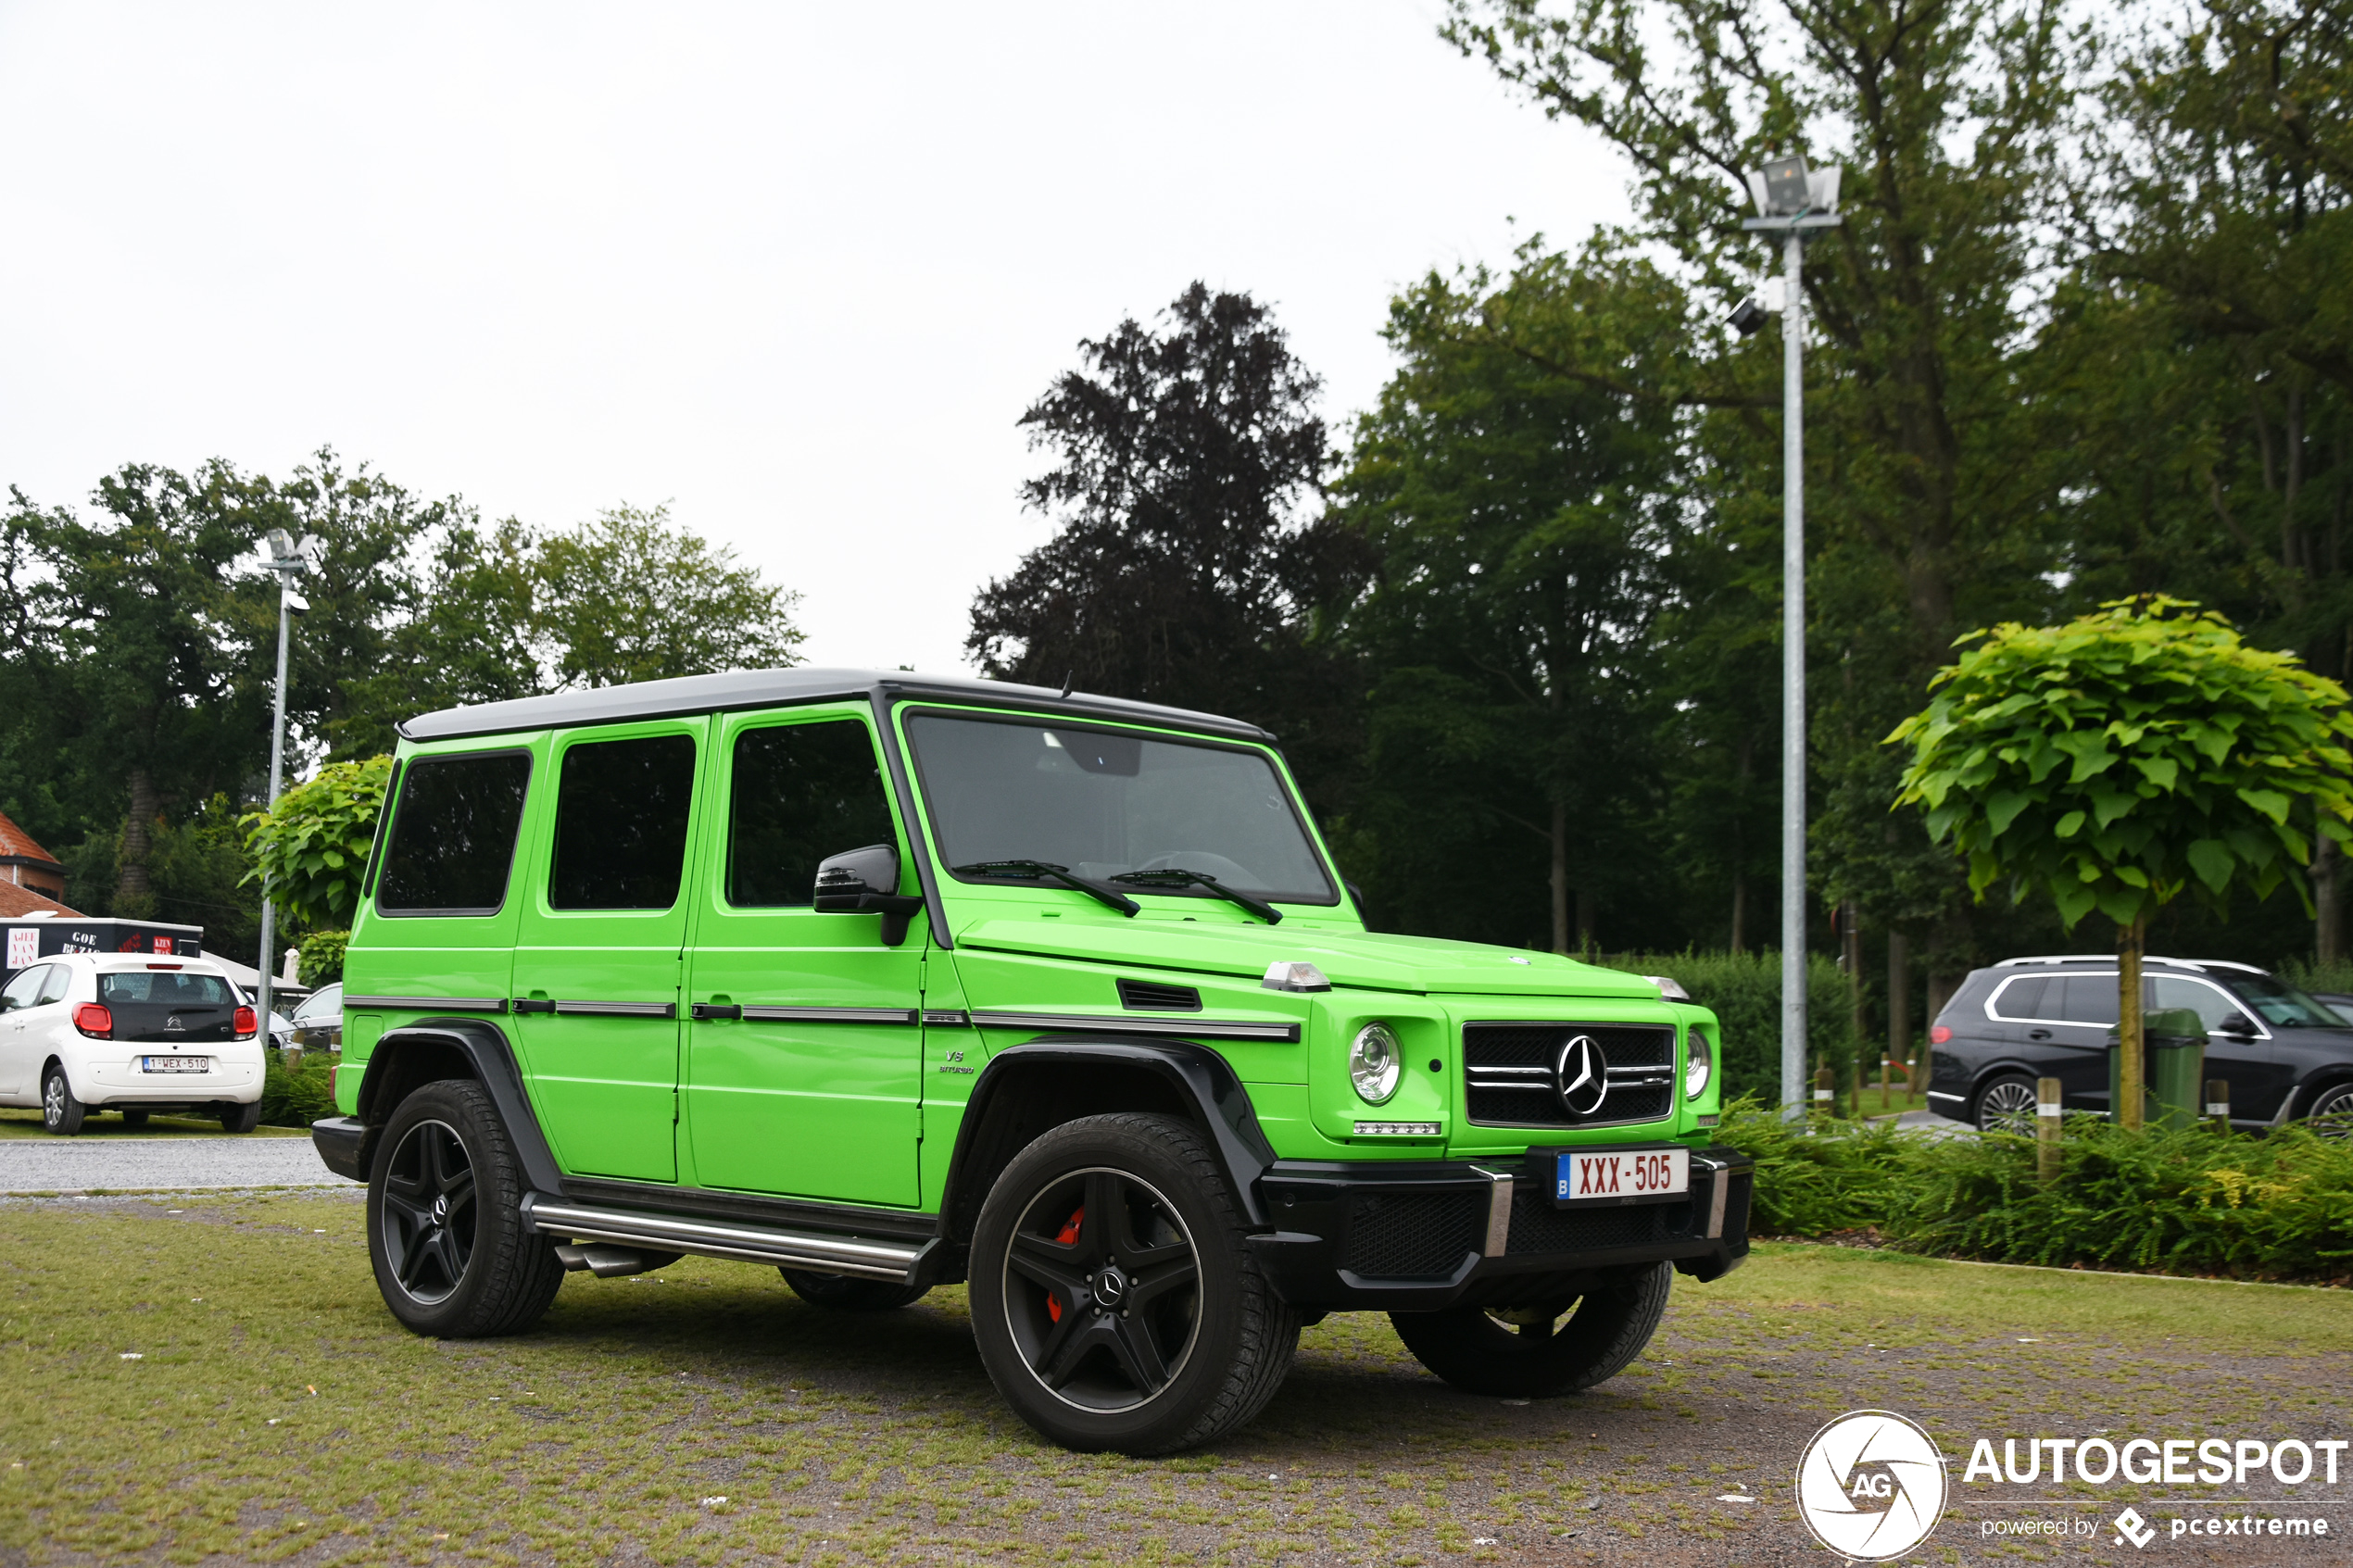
column 1622, row 1175
column 175, row 1064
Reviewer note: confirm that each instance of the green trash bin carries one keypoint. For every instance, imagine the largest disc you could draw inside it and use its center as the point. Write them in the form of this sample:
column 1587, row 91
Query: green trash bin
column 2173, row 1068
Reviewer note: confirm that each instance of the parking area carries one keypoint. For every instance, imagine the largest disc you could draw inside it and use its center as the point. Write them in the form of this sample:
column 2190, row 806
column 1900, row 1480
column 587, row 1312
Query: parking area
column 273, row 1413
column 112, row 1158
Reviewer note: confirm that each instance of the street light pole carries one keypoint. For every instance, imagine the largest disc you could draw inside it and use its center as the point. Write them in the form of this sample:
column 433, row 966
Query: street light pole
column 1793, row 201
column 286, row 558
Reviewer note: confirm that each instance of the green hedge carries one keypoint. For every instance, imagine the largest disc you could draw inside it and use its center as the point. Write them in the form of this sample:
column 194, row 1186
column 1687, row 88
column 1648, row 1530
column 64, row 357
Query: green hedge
column 295, row 1099
column 1744, row 992
column 2188, row 1201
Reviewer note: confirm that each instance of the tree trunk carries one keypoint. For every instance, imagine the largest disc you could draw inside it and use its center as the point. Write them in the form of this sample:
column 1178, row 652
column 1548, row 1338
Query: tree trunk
column 1740, row 914
column 1560, row 877
column 2328, row 922
column 1852, row 929
column 133, row 894
column 1899, row 1006
column 2130, row 941
column 1739, row 849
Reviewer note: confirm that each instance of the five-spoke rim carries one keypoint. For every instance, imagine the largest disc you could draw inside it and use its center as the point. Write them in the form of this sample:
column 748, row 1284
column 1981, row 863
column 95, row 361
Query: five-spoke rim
column 53, row 1099
column 1103, row 1289
column 429, row 1212
column 2008, row 1107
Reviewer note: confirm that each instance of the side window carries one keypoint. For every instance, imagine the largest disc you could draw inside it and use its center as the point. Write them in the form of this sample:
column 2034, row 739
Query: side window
column 621, row 823
column 2090, row 998
column 453, row 834
column 23, row 988
column 54, row 985
column 800, row 792
column 2213, row 1008
column 2021, row 999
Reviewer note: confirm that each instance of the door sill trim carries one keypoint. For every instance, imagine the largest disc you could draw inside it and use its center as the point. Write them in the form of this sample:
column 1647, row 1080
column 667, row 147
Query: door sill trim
column 860, row 1257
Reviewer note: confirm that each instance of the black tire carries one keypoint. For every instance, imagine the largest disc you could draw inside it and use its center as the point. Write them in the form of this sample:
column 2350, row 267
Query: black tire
column 2007, row 1105
column 1177, row 1343
column 444, row 1220
column 837, row 1293
column 134, row 1118
column 1530, row 1352
column 2331, row 1112
column 240, row 1118
column 60, row 1112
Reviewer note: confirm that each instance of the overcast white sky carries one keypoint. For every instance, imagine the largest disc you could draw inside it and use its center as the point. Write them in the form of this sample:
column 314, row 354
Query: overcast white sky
column 796, row 269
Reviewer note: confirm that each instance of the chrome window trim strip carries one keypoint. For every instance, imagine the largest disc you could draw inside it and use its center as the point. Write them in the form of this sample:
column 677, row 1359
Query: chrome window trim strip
column 616, row 1009
column 1188, row 1028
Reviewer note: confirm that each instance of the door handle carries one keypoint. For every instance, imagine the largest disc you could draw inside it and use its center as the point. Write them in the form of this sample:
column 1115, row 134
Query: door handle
column 2038, row 1034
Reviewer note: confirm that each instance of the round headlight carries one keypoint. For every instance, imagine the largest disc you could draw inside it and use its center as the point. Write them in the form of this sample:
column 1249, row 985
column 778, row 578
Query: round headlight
column 1374, row 1062
column 1697, row 1066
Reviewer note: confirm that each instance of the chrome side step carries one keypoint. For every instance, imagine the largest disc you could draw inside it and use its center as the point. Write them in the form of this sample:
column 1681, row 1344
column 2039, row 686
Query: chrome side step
column 893, row 1261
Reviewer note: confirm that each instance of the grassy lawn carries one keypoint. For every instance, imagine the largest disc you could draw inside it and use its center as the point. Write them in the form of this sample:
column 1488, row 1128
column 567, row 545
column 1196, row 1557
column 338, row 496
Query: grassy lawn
column 704, row 1415
column 16, row 1122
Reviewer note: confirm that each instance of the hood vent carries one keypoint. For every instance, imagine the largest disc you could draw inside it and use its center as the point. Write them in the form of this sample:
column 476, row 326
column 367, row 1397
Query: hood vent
column 1147, row 996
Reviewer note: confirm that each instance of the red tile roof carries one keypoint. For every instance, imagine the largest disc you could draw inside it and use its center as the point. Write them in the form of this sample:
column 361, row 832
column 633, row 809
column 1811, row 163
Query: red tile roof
column 17, row 901
column 14, row 840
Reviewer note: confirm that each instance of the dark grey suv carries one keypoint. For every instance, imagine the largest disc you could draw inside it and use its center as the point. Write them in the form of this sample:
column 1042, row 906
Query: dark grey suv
column 2284, row 1054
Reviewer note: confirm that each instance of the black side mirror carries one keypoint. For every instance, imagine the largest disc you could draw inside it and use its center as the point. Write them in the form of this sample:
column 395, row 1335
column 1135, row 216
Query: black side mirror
column 866, row 882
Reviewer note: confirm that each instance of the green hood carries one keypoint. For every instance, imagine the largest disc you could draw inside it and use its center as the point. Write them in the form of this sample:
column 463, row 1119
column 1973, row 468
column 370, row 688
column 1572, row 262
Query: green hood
column 1375, row 961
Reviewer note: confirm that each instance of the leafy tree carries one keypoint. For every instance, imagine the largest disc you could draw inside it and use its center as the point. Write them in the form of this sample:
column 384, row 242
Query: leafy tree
column 310, row 848
column 629, row 596
column 1522, row 522
column 2124, row 758
column 1187, row 568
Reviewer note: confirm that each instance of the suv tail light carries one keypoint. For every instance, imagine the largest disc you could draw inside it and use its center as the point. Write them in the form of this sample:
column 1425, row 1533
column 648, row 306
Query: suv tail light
column 94, row 1021
column 244, row 1023
column 1939, row 1035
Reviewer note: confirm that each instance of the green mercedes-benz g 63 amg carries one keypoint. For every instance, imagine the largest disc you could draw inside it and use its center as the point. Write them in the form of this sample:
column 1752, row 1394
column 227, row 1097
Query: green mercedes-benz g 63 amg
column 892, row 981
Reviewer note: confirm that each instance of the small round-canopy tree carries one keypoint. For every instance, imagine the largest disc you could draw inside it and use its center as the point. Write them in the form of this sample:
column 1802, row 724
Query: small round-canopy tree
column 2123, row 757
column 310, row 848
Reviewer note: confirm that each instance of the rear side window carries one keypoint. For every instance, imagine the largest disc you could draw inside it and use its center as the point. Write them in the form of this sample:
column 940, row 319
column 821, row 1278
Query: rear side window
column 621, row 808
column 2021, row 999
column 800, row 792
column 166, row 990
column 2088, row 998
column 453, row 834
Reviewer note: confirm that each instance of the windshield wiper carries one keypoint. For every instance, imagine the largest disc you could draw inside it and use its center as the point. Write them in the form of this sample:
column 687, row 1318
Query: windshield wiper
column 1176, row 876
column 1042, row 871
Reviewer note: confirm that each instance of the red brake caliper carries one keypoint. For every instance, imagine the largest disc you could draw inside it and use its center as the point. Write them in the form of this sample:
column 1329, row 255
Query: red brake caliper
column 1068, row 1234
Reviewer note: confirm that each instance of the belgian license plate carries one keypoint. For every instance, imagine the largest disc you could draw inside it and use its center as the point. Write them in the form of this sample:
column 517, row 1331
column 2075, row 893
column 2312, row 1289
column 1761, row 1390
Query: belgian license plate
column 1621, row 1175
column 176, row 1064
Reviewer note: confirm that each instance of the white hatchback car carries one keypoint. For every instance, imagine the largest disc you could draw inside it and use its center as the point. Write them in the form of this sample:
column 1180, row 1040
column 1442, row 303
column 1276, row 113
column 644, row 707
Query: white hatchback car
column 84, row 1032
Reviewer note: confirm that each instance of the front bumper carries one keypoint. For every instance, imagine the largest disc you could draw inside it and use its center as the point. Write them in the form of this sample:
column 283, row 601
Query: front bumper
column 1424, row 1235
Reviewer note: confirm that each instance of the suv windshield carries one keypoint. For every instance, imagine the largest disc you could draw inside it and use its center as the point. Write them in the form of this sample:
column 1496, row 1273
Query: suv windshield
column 2283, row 1006
column 1101, row 804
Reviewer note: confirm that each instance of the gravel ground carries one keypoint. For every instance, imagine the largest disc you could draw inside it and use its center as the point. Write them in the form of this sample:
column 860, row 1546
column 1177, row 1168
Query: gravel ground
column 137, row 1164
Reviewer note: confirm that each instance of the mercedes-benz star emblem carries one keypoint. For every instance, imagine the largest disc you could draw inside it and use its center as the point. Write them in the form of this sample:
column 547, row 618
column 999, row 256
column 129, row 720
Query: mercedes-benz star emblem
column 1581, row 1075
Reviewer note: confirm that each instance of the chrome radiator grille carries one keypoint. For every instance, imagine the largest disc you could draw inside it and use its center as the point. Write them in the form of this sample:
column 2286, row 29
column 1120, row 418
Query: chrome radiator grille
column 1513, row 1074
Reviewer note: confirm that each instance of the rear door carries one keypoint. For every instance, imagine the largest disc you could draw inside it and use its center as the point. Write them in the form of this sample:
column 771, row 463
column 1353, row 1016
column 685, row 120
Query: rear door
column 805, row 1075
column 2079, row 1010
column 598, row 952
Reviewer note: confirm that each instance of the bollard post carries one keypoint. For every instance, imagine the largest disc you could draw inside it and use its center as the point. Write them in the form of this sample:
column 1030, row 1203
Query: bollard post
column 2046, row 1128
column 2218, row 1103
column 1822, row 1093
column 1883, row 1065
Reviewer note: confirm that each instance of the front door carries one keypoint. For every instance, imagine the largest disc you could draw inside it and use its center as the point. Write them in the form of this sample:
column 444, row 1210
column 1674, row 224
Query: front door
column 2238, row 1049
column 597, row 956
column 24, row 1030
column 804, row 1076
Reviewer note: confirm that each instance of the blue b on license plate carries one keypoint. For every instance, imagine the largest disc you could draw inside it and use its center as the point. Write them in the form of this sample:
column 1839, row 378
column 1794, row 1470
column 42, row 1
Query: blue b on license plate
column 1621, row 1175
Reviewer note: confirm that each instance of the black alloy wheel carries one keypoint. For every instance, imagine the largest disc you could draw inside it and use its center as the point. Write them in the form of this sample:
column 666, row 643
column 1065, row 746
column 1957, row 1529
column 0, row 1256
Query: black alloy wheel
column 429, row 1216
column 2331, row 1112
column 1539, row 1348
column 2007, row 1105
column 452, row 1253
column 1102, row 1290
column 1115, row 1297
